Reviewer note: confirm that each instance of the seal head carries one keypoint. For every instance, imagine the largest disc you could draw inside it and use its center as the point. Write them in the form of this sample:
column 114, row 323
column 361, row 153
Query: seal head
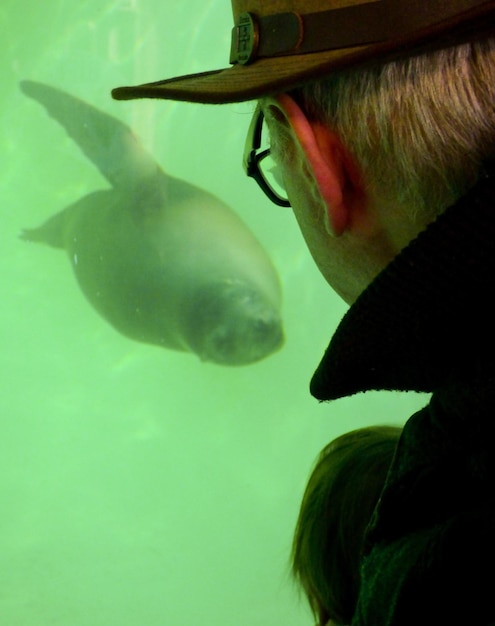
column 234, row 324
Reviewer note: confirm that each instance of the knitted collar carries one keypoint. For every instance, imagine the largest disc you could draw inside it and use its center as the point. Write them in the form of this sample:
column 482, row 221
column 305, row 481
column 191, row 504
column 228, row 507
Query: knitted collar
column 428, row 319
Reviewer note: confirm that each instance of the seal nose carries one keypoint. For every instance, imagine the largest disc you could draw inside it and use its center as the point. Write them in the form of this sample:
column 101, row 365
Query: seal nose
column 245, row 343
column 268, row 333
column 262, row 336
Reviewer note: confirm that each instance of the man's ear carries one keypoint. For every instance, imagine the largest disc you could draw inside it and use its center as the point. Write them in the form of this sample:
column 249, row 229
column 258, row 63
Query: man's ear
column 335, row 173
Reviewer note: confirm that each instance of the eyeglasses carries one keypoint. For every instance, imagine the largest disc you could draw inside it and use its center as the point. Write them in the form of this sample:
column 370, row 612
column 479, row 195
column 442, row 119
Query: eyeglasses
column 260, row 165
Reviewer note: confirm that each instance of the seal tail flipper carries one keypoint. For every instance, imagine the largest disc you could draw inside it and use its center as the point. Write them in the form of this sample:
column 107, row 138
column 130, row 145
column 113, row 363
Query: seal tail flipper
column 107, row 142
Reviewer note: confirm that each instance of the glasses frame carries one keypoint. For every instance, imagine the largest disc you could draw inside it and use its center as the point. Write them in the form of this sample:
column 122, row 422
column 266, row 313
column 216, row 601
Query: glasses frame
column 252, row 159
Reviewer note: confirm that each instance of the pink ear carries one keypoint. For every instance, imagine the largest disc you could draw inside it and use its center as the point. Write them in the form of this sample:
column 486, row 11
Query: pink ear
column 324, row 154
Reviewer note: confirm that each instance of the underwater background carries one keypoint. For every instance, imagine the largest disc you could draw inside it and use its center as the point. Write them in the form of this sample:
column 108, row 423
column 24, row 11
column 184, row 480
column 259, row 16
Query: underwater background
column 140, row 486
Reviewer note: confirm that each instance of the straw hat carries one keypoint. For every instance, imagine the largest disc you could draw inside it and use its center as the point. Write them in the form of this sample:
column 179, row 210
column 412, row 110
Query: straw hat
column 280, row 44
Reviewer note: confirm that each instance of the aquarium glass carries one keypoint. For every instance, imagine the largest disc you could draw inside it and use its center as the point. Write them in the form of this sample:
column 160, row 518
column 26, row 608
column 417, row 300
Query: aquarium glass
column 141, row 485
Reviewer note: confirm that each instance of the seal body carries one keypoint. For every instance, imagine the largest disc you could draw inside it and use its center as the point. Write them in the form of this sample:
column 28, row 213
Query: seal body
column 163, row 261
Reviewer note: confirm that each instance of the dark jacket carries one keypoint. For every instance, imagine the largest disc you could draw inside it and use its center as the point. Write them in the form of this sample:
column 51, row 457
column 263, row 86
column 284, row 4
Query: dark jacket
column 427, row 323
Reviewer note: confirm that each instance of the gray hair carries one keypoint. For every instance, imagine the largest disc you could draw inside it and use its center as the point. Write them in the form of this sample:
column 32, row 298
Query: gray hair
column 419, row 127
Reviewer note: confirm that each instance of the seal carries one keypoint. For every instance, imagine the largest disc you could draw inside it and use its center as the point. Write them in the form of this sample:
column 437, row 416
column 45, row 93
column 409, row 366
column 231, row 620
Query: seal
column 162, row 260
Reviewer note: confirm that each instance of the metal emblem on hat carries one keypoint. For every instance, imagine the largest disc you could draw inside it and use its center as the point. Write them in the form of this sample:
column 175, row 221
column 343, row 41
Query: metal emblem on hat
column 245, row 39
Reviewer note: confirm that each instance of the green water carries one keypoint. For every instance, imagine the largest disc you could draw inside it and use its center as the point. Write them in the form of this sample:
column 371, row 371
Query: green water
column 139, row 486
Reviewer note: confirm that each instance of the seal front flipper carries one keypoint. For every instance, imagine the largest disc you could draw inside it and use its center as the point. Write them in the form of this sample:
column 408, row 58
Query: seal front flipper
column 107, row 142
column 52, row 232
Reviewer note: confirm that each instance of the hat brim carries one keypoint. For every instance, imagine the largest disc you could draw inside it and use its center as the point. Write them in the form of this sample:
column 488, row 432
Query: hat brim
column 269, row 76
column 239, row 82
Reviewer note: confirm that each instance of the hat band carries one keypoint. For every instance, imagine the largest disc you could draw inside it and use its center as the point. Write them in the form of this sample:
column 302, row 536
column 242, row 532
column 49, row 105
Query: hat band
column 374, row 22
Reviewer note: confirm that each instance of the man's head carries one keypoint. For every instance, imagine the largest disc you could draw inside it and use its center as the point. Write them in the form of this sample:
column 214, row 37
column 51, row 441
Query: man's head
column 371, row 156
column 380, row 113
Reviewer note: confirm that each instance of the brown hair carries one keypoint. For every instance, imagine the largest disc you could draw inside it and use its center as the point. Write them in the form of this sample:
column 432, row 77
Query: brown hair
column 339, row 499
